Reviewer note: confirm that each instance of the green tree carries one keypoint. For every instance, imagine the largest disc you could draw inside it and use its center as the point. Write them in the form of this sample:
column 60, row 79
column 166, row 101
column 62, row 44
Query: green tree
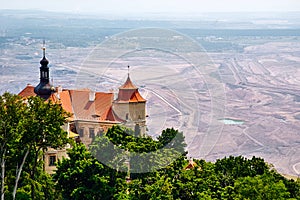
column 292, row 186
column 151, row 161
column 27, row 129
column 42, row 129
column 260, row 187
column 231, row 168
column 144, row 157
column 140, row 155
column 12, row 111
column 81, row 176
column 173, row 139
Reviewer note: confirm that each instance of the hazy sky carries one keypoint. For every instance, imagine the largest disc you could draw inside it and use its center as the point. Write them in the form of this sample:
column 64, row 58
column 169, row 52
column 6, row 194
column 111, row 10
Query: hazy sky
column 153, row 6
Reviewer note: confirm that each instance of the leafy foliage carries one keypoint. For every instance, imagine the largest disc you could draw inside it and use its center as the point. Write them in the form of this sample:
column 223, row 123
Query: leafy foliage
column 84, row 177
column 227, row 178
column 231, row 168
column 27, row 128
column 260, row 187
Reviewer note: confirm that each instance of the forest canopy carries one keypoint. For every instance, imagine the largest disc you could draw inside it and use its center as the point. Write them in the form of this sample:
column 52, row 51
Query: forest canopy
column 83, row 176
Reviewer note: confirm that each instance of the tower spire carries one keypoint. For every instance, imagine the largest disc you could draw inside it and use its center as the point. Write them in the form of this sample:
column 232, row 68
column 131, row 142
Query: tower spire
column 44, row 49
column 128, row 70
column 44, row 88
column 44, row 62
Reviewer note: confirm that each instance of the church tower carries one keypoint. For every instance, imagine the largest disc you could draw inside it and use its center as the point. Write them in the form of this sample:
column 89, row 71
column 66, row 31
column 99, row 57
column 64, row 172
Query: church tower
column 130, row 106
column 44, row 89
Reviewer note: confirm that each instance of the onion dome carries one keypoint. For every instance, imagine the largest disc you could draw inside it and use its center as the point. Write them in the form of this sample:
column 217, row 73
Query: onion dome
column 44, row 89
column 44, row 61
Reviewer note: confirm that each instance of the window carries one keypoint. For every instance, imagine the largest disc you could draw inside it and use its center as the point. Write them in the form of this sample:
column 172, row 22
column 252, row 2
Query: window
column 81, row 131
column 44, row 74
column 92, row 133
column 52, row 160
column 100, row 131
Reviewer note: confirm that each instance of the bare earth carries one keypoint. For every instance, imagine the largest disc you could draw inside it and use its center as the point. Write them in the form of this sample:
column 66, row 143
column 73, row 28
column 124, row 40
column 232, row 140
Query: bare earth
column 265, row 93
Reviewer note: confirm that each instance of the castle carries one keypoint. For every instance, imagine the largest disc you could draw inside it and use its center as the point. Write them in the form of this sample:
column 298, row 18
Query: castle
column 92, row 112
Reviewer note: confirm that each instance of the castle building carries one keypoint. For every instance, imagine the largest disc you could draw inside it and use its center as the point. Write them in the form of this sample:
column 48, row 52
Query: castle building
column 92, row 113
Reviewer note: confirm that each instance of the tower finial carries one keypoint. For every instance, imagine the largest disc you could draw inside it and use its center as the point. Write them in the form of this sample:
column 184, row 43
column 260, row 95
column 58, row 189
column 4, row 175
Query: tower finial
column 128, row 70
column 44, row 61
column 44, row 49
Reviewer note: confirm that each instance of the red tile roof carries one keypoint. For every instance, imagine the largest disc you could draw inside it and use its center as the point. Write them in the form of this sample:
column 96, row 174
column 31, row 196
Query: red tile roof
column 111, row 116
column 137, row 97
column 132, row 96
column 53, row 98
column 103, row 102
column 28, row 91
column 65, row 101
column 128, row 84
column 191, row 165
column 128, row 92
column 77, row 102
column 86, row 109
column 82, row 107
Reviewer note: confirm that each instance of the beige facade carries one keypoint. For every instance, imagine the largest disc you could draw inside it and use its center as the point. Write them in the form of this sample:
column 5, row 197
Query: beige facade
column 52, row 156
column 133, row 115
column 88, row 130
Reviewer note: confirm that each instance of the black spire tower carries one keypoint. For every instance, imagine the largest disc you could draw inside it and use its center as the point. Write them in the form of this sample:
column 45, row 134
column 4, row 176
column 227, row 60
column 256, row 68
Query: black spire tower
column 44, row 89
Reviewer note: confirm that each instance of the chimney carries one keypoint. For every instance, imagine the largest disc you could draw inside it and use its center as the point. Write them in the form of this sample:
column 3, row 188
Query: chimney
column 58, row 90
column 92, row 95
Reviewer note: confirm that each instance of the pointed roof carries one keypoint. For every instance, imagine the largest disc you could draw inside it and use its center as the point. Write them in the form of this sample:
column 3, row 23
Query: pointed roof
column 128, row 92
column 128, row 85
column 191, row 165
column 136, row 97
